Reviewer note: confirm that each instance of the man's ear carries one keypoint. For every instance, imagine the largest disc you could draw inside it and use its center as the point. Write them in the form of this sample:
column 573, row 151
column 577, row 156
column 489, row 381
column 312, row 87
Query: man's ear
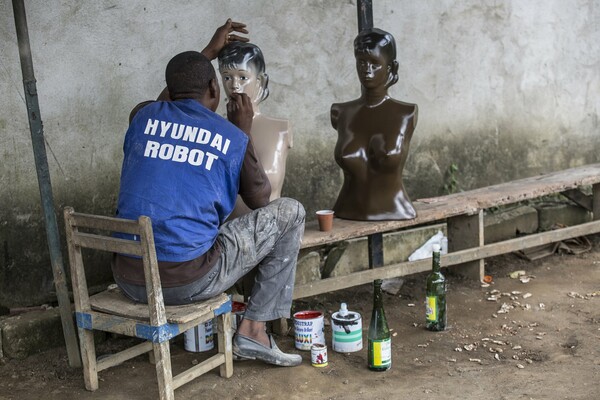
column 212, row 96
column 213, row 88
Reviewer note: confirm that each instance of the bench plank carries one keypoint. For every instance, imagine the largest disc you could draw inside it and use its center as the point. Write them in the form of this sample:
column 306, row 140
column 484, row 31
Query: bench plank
column 344, row 229
column 531, row 188
column 465, row 203
column 451, row 259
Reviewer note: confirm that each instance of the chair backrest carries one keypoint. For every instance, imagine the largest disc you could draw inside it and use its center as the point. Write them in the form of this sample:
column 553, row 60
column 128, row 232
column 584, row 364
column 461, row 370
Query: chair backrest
column 95, row 232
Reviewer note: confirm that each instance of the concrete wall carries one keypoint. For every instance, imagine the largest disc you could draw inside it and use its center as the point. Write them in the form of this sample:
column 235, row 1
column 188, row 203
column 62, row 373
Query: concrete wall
column 505, row 89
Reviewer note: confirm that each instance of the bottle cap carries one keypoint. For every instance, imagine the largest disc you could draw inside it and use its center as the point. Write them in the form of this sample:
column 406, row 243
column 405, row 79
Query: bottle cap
column 436, row 248
column 343, row 310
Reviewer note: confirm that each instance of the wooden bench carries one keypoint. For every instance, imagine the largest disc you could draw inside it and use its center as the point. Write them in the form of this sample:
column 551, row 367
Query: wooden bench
column 463, row 214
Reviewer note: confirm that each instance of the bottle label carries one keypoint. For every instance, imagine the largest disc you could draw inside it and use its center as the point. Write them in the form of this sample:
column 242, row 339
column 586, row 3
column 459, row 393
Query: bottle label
column 382, row 352
column 431, row 309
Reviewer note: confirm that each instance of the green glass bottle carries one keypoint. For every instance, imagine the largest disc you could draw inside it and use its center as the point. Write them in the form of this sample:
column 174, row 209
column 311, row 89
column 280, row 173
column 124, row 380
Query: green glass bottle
column 379, row 338
column 435, row 305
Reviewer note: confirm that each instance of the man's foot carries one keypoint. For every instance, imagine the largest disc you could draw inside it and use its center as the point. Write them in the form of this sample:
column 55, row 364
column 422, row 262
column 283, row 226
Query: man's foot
column 249, row 349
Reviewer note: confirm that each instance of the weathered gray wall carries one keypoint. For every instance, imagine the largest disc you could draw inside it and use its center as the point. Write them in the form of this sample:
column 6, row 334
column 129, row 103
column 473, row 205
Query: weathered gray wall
column 505, row 89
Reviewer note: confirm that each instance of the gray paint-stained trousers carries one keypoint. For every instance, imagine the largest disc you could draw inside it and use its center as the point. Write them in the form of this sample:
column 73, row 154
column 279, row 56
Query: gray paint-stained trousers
column 267, row 239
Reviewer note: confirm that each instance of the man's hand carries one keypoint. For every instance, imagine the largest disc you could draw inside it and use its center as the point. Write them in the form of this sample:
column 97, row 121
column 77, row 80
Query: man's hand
column 239, row 111
column 223, row 36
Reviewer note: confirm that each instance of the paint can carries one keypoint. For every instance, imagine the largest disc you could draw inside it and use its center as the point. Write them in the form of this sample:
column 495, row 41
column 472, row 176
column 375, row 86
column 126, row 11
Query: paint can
column 318, row 355
column 237, row 314
column 346, row 329
column 309, row 329
column 199, row 338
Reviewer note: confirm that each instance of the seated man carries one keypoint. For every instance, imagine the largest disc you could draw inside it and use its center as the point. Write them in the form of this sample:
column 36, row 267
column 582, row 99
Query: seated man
column 184, row 166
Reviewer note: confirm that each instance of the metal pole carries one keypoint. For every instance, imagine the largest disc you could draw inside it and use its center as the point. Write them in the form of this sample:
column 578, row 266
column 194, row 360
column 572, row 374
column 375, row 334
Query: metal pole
column 365, row 14
column 41, row 164
column 375, row 250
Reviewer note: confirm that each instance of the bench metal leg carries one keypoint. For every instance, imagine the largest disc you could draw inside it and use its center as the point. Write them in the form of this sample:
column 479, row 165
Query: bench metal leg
column 465, row 232
column 375, row 250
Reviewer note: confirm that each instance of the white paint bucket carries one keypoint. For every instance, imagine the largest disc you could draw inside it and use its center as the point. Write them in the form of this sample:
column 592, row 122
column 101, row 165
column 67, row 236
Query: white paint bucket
column 309, row 329
column 199, row 338
column 346, row 329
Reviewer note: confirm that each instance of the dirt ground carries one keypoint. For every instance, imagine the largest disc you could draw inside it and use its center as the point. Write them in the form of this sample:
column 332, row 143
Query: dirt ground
column 545, row 346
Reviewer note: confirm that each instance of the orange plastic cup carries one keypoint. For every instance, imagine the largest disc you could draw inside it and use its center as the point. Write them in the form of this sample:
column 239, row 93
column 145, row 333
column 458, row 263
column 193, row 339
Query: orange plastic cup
column 325, row 218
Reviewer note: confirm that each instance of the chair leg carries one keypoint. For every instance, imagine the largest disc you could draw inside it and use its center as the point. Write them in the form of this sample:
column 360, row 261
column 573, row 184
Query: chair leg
column 88, row 356
column 225, row 344
column 164, row 374
column 280, row 326
column 151, row 358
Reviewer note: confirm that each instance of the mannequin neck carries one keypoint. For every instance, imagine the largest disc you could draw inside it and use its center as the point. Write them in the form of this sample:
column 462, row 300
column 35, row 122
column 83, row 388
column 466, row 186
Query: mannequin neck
column 255, row 109
column 374, row 97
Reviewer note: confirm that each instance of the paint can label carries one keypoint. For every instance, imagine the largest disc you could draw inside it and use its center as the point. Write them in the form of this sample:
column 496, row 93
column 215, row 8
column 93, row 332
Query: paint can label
column 237, row 314
column 318, row 355
column 347, row 335
column 199, row 338
column 309, row 329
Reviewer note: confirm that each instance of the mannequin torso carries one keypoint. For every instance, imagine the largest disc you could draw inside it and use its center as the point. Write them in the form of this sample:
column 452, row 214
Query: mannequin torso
column 372, row 148
column 272, row 140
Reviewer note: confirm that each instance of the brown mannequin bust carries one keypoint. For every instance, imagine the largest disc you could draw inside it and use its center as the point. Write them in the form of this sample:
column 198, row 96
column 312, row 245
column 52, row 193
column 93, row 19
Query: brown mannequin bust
column 374, row 133
column 242, row 69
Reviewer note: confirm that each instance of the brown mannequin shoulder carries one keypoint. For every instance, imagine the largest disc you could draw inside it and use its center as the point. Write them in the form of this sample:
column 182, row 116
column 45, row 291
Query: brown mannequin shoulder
column 403, row 107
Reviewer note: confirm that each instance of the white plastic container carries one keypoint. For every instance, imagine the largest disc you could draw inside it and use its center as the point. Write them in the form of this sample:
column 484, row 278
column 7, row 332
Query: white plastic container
column 346, row 329
column 199, row 338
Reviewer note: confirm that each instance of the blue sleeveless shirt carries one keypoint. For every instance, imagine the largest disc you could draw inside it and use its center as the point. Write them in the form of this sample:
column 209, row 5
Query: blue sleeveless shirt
column 181, row 168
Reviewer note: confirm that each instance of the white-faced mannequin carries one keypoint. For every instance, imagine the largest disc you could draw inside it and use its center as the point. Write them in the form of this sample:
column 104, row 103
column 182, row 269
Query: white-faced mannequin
column 242, row 70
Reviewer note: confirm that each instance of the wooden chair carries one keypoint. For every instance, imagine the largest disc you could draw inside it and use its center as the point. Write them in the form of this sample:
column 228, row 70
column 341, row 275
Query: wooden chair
column 111, row 311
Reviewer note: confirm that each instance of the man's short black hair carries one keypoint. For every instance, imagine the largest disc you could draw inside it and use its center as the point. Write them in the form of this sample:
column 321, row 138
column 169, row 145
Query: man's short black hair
column 188, row 75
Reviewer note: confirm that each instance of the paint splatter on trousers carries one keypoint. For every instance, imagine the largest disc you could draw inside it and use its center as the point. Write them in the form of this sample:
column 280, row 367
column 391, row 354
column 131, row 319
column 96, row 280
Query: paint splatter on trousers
column 267, row 239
